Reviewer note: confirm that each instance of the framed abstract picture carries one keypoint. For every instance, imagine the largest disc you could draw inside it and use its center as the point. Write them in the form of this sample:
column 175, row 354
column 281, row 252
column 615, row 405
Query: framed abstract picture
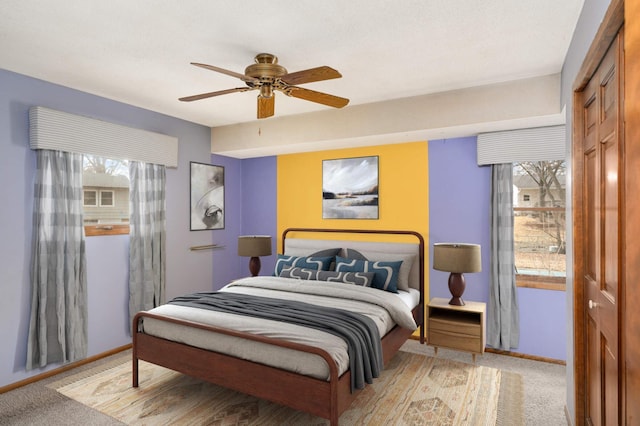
column 207, row 196
column 350, row 188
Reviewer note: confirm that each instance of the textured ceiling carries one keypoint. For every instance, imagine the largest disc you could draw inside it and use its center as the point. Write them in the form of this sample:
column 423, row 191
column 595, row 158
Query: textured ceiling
column 138, row 51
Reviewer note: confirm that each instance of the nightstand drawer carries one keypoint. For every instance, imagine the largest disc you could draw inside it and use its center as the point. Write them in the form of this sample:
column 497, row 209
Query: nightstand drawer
column 461, row 327
column 455, row 341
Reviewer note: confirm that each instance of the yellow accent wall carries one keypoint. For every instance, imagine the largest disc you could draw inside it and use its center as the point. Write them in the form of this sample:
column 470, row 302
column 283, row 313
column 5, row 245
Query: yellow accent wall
column 403, row 191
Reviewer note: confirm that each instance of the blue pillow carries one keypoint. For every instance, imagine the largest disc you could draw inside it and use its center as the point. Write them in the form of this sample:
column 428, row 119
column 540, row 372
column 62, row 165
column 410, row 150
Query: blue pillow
column 386, row 273
column 318, row 263
column 363, row 279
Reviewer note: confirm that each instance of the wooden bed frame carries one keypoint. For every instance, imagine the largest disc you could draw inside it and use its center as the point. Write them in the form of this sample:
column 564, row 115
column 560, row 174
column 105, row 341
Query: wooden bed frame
column 327, row 399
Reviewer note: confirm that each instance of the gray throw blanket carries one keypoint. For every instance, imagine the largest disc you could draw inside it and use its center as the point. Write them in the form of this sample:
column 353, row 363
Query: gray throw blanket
column 358, row 331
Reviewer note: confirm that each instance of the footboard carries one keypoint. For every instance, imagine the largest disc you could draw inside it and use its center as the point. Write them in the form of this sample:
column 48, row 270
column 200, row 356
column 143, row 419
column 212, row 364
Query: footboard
column 327, row 399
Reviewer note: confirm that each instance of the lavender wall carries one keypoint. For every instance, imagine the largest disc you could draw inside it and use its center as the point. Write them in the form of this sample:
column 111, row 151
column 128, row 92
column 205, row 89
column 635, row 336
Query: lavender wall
column 107, row 257
column 226, row 263
column 259, row 206
column 459, row 199
column 458, row 210
column 250, row 206
column 543, row 327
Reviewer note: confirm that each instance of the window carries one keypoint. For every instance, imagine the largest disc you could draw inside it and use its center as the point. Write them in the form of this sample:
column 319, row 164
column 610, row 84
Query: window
column 90, row 198
column 539, row 223
column 106, row 196
column 106, row 199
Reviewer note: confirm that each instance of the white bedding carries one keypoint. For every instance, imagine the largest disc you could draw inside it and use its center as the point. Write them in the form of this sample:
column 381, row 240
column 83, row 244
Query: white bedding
column 411, row 297
column 386, row 309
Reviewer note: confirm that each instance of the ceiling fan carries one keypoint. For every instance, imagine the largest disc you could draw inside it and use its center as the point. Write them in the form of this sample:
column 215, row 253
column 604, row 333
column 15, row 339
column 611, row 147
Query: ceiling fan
column 266, row 75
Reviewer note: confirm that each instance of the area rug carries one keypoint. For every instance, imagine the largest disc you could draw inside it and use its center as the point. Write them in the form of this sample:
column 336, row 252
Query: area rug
column 412, row 390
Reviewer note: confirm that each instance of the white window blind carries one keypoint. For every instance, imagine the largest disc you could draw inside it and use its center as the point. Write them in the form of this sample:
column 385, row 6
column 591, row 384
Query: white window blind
column 61, row 131
column 513, row 146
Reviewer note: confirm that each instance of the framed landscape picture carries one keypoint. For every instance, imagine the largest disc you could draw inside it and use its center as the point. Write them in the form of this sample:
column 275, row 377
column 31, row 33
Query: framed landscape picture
column 350, row 188
column 207, row 196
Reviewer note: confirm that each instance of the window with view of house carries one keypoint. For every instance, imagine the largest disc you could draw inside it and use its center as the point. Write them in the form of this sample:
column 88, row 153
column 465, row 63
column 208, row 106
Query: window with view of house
column 539, row 223
column 105, row 196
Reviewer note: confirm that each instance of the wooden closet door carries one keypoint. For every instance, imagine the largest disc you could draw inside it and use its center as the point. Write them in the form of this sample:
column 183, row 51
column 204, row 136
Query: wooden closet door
column 601, row 143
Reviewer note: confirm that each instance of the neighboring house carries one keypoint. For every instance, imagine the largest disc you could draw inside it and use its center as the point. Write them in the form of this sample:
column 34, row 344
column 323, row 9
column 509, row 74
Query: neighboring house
column 105, row 198
column 528, row 192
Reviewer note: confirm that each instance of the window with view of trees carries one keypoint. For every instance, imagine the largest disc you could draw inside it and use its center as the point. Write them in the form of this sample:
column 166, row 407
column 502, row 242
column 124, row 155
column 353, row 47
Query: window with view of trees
column 106, row 196
column 539, row 223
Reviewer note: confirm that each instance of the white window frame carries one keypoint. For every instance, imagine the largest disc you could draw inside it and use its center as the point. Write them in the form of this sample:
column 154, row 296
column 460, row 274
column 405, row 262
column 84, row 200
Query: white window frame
column 113, row 200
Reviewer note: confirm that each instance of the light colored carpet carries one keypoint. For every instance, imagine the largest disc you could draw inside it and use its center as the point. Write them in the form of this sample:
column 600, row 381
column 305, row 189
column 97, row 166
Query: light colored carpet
column 545, row 384
column 413, row 389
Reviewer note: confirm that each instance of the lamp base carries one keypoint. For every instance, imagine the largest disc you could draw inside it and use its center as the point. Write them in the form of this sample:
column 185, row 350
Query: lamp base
column 456, row 301
column 456, row 287
column 254, row 266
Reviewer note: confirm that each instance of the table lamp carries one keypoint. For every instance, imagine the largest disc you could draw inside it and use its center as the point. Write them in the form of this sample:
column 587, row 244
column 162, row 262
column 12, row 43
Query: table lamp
column 254, row 246
column 456, row 258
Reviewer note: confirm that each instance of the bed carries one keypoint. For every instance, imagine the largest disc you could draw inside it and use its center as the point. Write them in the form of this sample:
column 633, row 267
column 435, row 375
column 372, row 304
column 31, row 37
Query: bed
column 308, row 376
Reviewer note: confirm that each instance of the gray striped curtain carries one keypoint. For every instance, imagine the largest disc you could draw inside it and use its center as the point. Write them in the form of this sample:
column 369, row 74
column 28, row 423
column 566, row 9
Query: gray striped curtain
column 58, row 323
column 147, row 239
column 503, row 319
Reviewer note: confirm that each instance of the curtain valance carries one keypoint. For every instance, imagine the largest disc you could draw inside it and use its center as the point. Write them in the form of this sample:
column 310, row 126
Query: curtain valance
column 62, row 131
column 514, row 146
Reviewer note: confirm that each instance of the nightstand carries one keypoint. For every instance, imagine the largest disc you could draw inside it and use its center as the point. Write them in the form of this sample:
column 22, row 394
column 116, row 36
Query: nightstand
column 456, row 327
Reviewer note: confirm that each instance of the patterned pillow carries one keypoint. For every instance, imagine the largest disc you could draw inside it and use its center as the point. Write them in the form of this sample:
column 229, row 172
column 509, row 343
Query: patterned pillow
column 321, row 263
column 405, row 268
column 363, row 279
column 386, row 273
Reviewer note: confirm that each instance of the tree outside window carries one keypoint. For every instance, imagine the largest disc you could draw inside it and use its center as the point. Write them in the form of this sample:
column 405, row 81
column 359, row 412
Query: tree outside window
column 540, row 223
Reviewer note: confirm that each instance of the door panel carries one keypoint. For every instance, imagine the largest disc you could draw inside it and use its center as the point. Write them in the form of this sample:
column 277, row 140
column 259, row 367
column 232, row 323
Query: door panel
column 610, row 381
column 611, row 216
column 607, row 315
column 601, row 225
column 608, row 131
column 593, row 376
column 591, row 221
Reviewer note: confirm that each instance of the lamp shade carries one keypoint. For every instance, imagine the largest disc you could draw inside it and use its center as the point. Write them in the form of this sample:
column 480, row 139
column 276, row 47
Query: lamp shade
column 254, row 245
column 457, row 257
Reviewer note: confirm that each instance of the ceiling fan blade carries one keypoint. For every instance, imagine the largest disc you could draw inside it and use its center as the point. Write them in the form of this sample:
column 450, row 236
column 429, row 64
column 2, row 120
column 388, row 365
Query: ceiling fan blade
column 266, row 106
column 319, row 97
column 212, row 94
column 227, row 72
column 310, row 75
